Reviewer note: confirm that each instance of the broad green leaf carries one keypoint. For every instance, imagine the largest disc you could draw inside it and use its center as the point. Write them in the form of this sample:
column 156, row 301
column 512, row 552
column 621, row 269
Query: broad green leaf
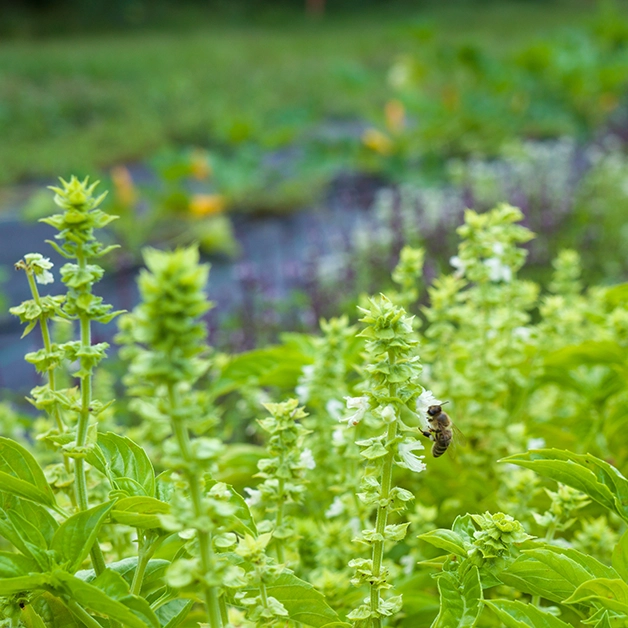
column 54, row 612
column 302, row 601
column 460, row 602
column 620, row 557
column 589, row 352
column 9, row 586
column 126, row 568
column 445, row 539
column 25, row 537
column 553, row 573
column 32, row 512
column 92, row 598
column 14, row 565
column 30, row 618
column 118, row 458
column 608, row 593
column 139, row 512
column 519, row 615
column 76, row 536
column 21, row 475
column 599, row 480
column 173, row 613
column 117, row 588
column 238, row 464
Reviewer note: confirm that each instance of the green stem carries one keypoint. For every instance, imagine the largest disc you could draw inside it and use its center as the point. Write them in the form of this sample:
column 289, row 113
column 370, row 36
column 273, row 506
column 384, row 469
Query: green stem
column 144, row 553
column 82, row 614
column 384, row 505
column 82, row 427
column 204, row 538
column 46, row 338
column 279, row 520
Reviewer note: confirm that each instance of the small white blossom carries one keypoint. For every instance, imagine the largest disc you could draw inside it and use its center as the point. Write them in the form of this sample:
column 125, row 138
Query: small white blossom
column 40, row 266
column 306, row 459
column 389, row 414
column 254, row 497
column 458, row 264
column 408, row 459
column 305, row 383
column 424, row 401
column 360, row 405
column 408, row 563
column 338, row 437
column 497, row 270
column 334, row 408
column 498, row 249
column 337, row 508
column 188, row 534
column 523, row 333
column 355, row 526
column 536, row 443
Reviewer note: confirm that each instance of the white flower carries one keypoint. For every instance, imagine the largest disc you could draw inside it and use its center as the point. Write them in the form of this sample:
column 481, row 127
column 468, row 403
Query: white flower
column 458, row 264
column 523, row 333
column 188, row 534
column 424, row 401
column 388, row 414
column 498, row 249
column 305, row 382
column 338, row 437
column 536, row 443
column 408, row 459
column 306, row 459
column 40, row 266
column 337, row 508
column 360, row 405
column 497, row 270
column 254, row 497
column 408, row 563
column 334, row 408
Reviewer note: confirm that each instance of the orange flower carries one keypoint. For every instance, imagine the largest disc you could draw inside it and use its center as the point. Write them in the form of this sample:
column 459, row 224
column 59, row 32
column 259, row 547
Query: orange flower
column 123, row 184
column 395, row 114
column 377, row 141
column 207, row 204
column 199, row 164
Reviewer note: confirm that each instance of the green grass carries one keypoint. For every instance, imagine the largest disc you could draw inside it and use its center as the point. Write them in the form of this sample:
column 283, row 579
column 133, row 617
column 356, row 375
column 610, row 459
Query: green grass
column 73, row 104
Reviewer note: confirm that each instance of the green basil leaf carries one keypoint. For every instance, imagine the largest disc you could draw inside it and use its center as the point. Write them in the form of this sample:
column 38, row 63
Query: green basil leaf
column 620, row 557
column 519, row 615
column 54, row 612
column 173, row 613
column 92, row 598
column 126, row 568
column 553, row 572
column 139, row 512
column 30, row 618
column 302, row 601
column 611, row 594
column 21, row 475
column 445, row 539
column 9, row 586
column 13, row 565
column 76, row 536
column 460, row 602
column 122, row 458
column 599, row 480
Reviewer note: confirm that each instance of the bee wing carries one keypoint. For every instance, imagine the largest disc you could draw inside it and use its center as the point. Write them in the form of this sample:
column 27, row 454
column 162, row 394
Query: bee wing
column 459, row 437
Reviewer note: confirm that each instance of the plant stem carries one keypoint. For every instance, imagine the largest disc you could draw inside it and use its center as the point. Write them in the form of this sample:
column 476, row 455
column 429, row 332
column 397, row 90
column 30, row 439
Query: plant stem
column 82, row 614
column 382, row 508
column 80, row 480
column 145, row 551
column 204, row 538
column 279, row 520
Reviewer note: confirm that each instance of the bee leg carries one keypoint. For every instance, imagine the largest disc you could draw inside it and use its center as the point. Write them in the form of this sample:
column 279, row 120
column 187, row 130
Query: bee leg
column 427, row 434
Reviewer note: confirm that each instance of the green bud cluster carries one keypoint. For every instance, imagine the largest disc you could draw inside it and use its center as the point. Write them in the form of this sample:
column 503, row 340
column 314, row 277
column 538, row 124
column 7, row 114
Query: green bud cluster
column 406, row 275
column 391, row 388
column 497, row 536
column 283, row 473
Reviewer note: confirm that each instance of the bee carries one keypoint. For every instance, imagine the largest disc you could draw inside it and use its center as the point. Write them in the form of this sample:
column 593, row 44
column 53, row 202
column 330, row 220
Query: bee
column 441, row 430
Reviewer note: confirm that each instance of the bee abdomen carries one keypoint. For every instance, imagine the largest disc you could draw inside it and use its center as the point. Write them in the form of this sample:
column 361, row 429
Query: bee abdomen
column 438, row 449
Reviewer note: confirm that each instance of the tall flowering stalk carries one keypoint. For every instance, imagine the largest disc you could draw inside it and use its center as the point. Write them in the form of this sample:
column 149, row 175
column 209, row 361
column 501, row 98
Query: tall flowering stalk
column 392, row 369
column 166, row 361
